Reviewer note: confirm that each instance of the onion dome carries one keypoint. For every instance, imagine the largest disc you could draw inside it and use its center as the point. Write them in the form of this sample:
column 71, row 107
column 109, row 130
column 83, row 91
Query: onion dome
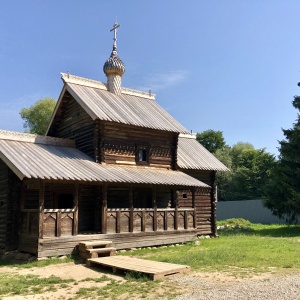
column 114, row 65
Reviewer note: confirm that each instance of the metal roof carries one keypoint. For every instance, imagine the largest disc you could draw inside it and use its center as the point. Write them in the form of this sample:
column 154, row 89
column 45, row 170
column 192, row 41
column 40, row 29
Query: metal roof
column 192, row 155
column 28, row 159
column 130, row 107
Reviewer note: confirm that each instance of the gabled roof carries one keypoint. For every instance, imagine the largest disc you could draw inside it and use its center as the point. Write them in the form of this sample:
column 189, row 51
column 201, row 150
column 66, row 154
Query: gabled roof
column 131, row 107
column 37, row 157
column 192, row 155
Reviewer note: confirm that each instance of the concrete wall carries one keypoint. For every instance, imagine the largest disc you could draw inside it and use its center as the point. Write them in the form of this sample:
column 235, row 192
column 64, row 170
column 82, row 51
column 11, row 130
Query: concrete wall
column 251, row 210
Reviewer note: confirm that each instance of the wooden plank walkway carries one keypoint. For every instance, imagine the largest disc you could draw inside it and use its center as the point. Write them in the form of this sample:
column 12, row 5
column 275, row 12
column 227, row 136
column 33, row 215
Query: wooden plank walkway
column 155, row 270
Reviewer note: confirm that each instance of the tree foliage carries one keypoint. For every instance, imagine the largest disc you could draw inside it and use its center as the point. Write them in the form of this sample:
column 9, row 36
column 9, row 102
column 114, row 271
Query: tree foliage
column 212, row 140
column 37, row 117
column 283, row 190
column 250, row 171
column 250, row 167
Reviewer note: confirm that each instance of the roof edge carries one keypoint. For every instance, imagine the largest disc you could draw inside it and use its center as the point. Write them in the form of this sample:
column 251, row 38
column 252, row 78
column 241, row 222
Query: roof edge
column 68, row 78
column 188, row 135
column 35, row 139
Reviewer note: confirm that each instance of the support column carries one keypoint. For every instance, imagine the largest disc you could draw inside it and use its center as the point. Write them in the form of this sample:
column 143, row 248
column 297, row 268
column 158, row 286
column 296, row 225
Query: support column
column 41, row 208
column 76, row 200
column 194, row 206
column 176, row 200
column 131, row 208
column 154, row 205
column 104, row 208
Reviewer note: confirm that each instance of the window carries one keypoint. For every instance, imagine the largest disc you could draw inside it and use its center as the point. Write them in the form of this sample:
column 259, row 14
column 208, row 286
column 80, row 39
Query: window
column 184, row 195
column 142, row 155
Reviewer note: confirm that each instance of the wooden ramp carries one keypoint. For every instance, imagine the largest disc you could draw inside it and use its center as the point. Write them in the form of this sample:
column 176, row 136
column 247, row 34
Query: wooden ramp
column 155, row 270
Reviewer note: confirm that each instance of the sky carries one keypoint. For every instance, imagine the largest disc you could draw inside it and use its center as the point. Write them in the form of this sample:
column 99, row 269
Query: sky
column 231, row 66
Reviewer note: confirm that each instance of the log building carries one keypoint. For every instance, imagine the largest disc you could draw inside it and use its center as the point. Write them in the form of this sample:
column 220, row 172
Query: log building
column 113, row 165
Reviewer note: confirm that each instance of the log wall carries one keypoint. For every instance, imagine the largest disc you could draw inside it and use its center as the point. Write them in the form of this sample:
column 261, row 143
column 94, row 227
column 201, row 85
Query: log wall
column 3, row 204
column 119, row 144
column 204, row 201
column 73, row 122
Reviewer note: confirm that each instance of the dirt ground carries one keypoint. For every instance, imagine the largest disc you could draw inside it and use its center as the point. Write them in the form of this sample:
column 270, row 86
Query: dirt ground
column 79, row 272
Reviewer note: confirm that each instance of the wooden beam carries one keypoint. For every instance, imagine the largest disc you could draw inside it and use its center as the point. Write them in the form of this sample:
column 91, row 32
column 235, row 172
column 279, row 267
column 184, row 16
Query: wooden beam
column 76, row 200
column 41, row 208
column 176, row 199
column 104, row 208
column 131, row 208
column 154, row 205
column 194, row 206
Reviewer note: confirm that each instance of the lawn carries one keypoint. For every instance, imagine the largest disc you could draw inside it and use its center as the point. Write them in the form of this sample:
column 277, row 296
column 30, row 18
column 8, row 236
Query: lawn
column 242, row 249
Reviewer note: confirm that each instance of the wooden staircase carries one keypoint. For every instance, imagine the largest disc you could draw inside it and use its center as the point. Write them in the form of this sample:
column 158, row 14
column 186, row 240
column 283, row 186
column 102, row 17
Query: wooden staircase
column 96, row 249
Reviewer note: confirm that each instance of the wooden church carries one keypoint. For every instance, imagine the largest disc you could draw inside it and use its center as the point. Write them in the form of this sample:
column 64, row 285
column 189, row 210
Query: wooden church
column 113, row 165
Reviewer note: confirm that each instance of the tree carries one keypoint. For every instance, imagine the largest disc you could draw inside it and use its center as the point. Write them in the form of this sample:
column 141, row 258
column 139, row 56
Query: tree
column 283, row 190
column 212, row 140
column 250, row 171
column 37, row 117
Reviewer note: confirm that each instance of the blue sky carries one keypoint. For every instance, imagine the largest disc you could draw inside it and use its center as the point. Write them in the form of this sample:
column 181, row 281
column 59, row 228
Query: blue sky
column 224, row 65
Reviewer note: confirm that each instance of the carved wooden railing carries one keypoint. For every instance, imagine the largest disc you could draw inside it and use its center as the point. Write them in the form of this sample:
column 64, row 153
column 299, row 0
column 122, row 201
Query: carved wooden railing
column 149, row 219
column 60, row 222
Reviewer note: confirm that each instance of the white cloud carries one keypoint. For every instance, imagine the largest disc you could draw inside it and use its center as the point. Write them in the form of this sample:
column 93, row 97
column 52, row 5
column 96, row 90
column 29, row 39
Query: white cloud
column 159, row 81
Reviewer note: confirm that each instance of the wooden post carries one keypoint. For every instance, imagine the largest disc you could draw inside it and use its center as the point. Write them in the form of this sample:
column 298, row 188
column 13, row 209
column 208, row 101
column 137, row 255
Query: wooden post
column 58, row 223
column 213, row 205
column 176, row 198
column 41, row 208
column 118, row 216
column 76, row 200
column 194, row 206
column 154, row 205
column 131, row 208
column 97, row 154
column 104, row 208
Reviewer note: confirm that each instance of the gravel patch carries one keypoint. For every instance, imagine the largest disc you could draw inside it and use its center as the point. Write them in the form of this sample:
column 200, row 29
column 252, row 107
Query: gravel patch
column 285, row 287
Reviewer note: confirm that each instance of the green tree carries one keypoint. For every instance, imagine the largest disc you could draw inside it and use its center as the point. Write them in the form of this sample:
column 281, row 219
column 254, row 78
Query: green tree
column 283, row 191
column 212, row 140
column 250, row 171
column 37, row 117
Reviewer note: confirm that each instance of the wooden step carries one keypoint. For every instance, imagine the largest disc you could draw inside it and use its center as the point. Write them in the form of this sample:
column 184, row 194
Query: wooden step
column 94, row 244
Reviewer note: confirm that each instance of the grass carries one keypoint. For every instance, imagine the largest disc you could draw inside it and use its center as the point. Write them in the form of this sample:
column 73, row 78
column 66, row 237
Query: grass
column 241, row 250
column 12, row 284
column 259, row 248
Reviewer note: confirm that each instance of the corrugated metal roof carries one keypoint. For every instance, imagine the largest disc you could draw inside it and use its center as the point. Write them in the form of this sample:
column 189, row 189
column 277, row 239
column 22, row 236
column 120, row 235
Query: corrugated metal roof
column 192, row 155
column 45, row 161
column 131, row 107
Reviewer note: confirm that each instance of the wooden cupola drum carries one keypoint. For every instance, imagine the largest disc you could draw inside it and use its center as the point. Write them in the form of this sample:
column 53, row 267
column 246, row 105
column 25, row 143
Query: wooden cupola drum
column 114, row 67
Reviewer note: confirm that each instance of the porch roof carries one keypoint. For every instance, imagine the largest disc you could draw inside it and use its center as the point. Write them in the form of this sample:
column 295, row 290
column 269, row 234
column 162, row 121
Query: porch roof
column 192, row 155
column 34, row 158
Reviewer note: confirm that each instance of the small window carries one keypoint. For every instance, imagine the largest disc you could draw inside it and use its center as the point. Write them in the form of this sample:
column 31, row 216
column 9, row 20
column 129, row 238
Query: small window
column 142, row 155
column 184, row 195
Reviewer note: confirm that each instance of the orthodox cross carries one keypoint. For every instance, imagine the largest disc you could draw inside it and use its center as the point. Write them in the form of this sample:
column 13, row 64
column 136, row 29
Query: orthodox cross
column 116, row 25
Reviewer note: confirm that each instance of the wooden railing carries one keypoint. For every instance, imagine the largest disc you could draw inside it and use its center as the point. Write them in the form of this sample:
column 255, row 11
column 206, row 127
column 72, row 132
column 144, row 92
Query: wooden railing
column 149, row 219
column 60, row 222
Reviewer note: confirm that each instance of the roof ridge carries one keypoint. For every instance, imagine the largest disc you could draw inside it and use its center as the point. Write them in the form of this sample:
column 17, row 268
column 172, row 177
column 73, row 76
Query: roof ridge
column 68, row 78
column 35, row 139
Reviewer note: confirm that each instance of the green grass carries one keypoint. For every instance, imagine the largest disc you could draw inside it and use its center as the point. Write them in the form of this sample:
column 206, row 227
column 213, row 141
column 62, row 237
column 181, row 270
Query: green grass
column 261, row 248
column 13, row 284
column 238, row 251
